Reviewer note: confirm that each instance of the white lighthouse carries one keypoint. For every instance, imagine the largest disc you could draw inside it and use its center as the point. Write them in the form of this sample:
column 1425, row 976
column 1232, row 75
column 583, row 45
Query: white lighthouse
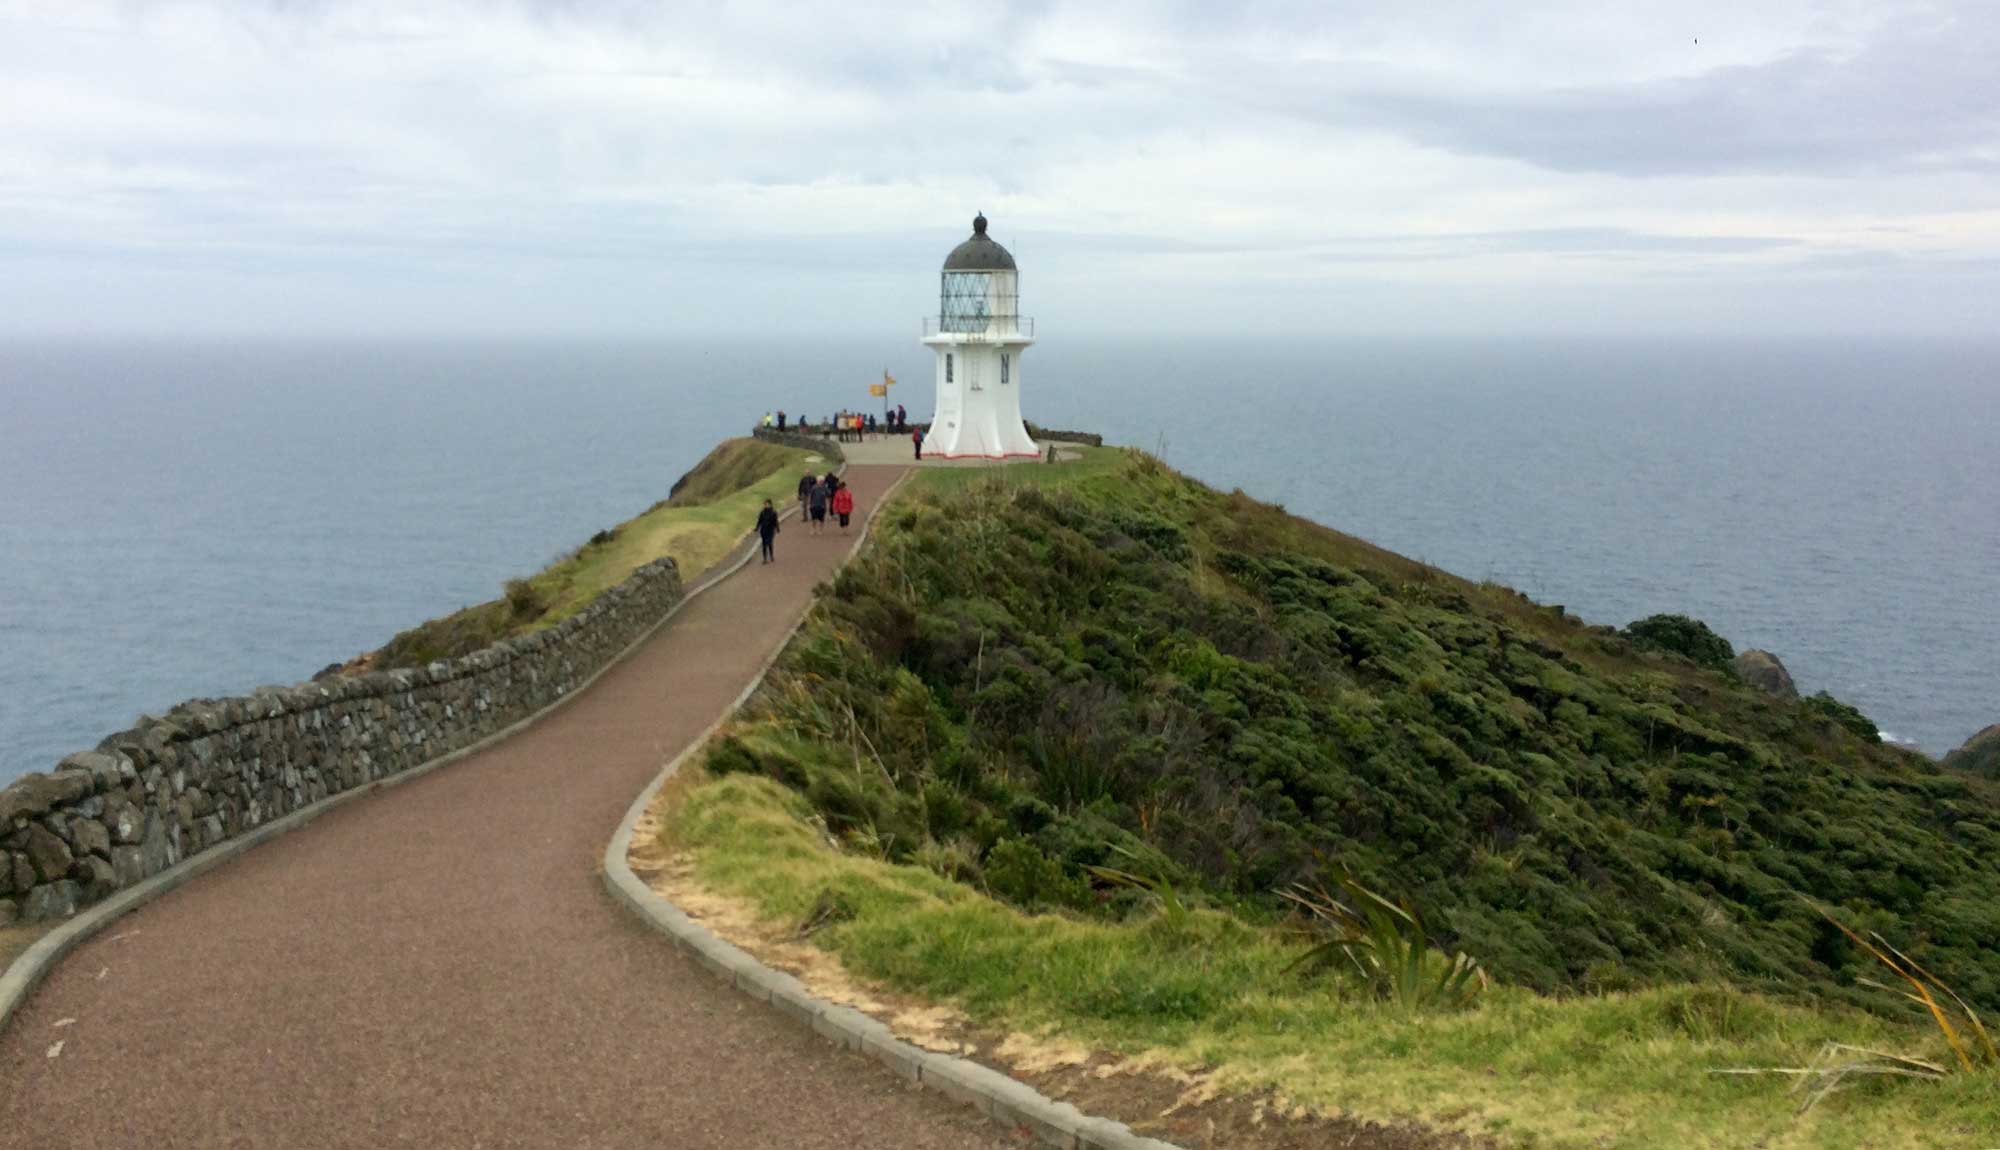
column 979, row 336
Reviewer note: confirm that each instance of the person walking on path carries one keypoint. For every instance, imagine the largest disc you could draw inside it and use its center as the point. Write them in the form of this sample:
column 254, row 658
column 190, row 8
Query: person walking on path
column 843, row 505
column 806, row 483
column 767, row 529
column 917, row 441
column 816, row 501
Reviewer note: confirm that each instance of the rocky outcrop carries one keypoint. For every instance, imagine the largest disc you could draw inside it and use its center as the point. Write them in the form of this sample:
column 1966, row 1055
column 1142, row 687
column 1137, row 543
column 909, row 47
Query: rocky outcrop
column 1763, row 670
column 1980, row 755
column 211, row 769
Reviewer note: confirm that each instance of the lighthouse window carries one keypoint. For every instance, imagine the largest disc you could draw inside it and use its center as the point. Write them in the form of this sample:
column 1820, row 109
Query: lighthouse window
column 1003, row 367
column 947, row 367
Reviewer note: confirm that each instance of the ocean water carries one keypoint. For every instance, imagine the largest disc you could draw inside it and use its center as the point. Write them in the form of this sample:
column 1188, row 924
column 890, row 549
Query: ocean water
column 181, row 519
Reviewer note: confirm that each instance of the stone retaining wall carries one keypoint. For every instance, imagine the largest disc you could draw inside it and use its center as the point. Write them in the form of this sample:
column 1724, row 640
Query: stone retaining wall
column 211, row 769
column 1045, row 434
column 824, row 445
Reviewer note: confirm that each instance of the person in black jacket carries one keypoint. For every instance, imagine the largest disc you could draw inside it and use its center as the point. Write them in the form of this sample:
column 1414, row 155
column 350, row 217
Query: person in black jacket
column 767, row 528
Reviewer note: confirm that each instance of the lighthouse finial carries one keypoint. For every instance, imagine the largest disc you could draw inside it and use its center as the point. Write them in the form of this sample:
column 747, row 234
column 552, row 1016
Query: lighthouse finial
column 979, row 224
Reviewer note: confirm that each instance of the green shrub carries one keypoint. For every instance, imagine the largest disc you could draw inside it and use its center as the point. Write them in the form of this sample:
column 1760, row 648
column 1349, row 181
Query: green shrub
column 1136, row 667
column 1848, row 716
column 1688, row 638
column 1016, row 871
column 525, row 600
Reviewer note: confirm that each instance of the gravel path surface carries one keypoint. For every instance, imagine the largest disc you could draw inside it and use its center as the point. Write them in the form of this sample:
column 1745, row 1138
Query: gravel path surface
column 439, row 966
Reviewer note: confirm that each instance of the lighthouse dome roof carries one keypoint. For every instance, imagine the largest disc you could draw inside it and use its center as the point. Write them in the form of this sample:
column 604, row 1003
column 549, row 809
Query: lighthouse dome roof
column 980, row 253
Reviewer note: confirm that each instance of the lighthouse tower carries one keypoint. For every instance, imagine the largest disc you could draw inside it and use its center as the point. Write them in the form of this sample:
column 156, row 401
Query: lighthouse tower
column 979, row 335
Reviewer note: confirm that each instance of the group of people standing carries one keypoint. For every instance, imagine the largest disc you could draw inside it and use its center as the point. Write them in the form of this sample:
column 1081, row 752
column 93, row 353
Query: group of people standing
column 819, row 496
column 844, row 425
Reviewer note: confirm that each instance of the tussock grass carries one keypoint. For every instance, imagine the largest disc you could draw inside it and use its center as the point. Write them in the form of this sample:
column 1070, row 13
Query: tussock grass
column 714, row 507
column 1202, row 988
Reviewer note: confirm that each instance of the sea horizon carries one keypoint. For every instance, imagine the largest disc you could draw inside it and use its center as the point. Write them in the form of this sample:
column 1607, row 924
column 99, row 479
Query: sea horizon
column 198, row 516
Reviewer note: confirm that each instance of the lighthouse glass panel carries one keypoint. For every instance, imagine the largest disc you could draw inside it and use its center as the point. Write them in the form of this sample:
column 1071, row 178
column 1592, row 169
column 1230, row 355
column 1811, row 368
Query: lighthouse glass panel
column 963, row 304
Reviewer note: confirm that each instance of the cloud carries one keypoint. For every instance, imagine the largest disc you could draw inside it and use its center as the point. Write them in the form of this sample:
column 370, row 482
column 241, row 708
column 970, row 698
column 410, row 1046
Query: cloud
column 1914, row 99
column 638, row 163
column 1556, row 241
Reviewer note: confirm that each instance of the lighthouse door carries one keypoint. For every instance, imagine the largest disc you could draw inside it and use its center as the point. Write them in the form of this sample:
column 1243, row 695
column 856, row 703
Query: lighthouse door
column 972, row 363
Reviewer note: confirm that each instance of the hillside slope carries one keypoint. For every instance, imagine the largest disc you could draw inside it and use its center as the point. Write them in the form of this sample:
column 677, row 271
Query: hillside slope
column 706, row 512
column 1013, row 684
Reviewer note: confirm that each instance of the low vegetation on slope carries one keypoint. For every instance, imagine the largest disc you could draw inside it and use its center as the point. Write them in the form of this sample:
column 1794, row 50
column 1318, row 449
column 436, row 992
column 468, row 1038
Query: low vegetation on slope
column 1121, row 703
column 1138, row 672
column 709, row 509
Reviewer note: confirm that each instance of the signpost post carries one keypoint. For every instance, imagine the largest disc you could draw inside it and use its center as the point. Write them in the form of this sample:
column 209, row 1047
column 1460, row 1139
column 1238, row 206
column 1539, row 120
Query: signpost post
column 882, row 389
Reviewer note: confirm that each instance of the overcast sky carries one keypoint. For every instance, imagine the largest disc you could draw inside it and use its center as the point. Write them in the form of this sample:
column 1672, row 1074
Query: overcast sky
column 586, row 167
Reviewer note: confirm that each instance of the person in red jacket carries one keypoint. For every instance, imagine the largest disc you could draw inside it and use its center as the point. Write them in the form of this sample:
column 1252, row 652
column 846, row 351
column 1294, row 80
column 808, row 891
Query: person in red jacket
column 843, row 504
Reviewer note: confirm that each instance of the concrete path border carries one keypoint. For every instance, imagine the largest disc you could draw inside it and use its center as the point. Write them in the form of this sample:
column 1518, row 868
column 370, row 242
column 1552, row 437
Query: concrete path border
column 32, row 965
column 1003, row 1099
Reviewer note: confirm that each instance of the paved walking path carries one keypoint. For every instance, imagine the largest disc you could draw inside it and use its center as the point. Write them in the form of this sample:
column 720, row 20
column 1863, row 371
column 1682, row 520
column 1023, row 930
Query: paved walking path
column 439, row 966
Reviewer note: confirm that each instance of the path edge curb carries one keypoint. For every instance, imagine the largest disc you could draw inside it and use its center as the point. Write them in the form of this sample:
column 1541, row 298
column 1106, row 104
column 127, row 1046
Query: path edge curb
column 22, row 976
column 1005, row 1100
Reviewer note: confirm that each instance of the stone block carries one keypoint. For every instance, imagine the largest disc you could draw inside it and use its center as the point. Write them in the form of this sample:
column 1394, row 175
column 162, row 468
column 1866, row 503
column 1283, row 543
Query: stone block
column 50, row 855
column 845, row 1026
column 1020, row 1106
column 900, row 1057
column 10, row 912
column 720, row 958
column 762, row 982
column 36, row 794
column 128, row 864
column 153, row 845
column 96, row 877
column 23, row 870
column 962, row 1082
column 51, row 900
column 101, row 766
column 796, row 1005
column 89, row 836
column 1104, row 1134
column 125, row 822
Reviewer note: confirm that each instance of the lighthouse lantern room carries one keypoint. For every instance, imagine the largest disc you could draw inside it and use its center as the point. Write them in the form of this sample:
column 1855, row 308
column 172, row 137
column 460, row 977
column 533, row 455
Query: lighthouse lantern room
column 979, row 335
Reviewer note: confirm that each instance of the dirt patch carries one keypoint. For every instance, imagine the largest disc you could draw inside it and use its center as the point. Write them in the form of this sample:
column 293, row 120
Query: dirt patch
column 1187, row 1110
column 1155, row 1098
column 15, row 939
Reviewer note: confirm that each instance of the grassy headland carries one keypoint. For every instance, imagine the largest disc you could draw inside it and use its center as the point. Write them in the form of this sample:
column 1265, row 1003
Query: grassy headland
column 1031, row 677
column 1621, row 1070
column 708, row 511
